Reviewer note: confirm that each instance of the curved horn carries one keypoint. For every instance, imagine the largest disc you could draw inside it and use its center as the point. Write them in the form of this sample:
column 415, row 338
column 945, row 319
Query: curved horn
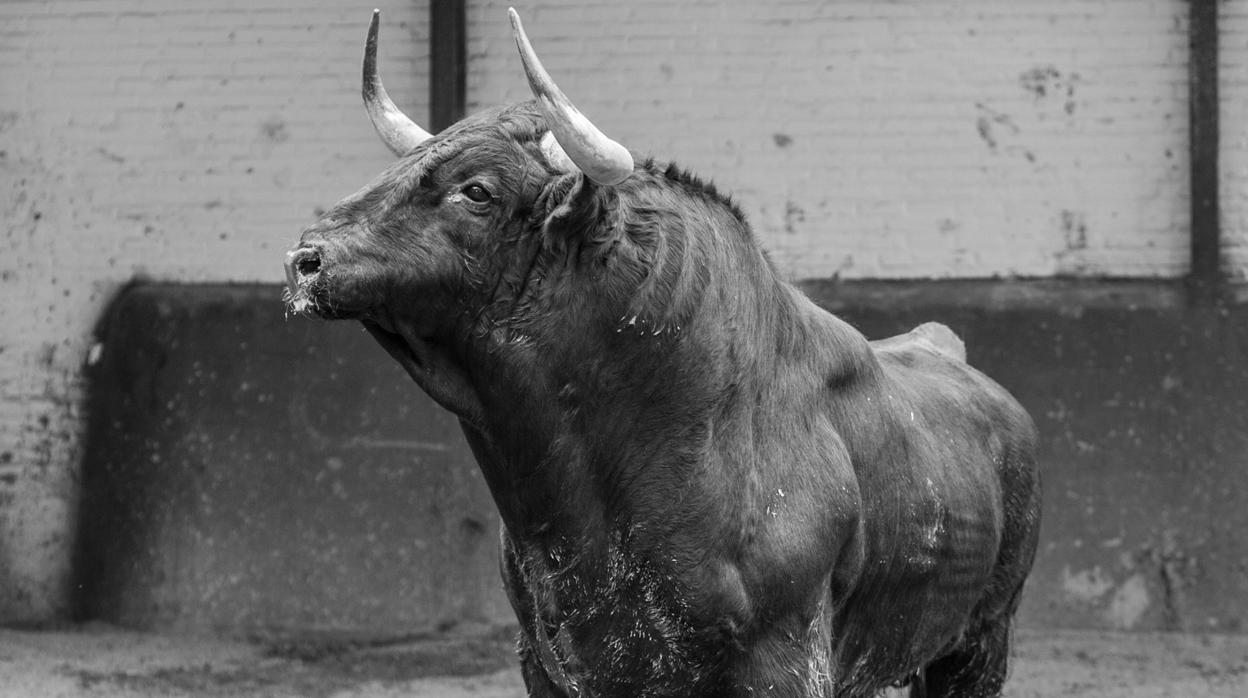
column 600, row 158
column 399, row 133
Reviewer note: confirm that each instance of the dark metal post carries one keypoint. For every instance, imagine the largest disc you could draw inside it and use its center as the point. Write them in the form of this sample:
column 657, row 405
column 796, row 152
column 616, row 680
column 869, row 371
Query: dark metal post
column 447, row 62
column 1205, row 278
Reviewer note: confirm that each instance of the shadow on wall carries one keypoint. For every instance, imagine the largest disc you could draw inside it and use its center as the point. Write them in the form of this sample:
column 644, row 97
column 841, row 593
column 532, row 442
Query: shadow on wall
column 250, row 474
column 253, row 474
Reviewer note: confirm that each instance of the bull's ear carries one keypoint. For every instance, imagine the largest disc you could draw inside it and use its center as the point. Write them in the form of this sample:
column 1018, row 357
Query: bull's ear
column 572, row 200
column 573, row 208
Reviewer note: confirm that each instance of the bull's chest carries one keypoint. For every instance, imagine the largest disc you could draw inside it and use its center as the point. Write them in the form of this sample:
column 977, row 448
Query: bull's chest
column 608, row 624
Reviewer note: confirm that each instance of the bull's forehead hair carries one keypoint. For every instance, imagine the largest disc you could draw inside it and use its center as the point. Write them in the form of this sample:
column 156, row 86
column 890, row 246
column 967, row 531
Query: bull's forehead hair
column 521, row 123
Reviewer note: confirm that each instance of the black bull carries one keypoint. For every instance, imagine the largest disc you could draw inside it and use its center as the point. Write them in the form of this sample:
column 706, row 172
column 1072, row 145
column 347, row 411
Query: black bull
column 709, row 486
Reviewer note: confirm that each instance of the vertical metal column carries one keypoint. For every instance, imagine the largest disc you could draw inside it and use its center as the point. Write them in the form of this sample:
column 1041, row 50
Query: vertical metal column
column 1205, row 282
column 448, row 62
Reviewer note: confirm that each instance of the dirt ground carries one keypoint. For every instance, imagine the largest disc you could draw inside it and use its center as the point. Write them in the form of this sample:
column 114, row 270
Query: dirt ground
column 106, row 662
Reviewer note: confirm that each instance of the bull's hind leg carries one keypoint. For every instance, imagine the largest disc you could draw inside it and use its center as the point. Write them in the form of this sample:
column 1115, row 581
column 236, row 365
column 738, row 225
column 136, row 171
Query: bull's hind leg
column 976, row 669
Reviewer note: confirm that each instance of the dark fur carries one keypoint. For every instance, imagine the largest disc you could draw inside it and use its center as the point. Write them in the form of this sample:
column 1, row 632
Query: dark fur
column 709, row 486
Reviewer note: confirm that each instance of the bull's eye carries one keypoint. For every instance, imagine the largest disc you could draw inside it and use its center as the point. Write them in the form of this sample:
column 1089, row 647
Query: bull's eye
column 477, row 194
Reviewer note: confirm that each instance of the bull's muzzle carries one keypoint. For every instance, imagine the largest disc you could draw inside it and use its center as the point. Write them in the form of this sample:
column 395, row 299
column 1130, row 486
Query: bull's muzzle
column 303, row 266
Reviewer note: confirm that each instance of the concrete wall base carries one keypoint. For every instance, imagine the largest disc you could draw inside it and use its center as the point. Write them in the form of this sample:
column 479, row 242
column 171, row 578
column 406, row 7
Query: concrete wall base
column 247, row 473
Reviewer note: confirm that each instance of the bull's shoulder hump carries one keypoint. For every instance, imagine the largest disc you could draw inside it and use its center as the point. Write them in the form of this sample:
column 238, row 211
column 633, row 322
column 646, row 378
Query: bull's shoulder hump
column 930, row 369
column 929, row 362
column 930, row 336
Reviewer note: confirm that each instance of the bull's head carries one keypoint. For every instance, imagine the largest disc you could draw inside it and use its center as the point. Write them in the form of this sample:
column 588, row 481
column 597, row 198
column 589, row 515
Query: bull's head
column 452, row 242
column 497, row 259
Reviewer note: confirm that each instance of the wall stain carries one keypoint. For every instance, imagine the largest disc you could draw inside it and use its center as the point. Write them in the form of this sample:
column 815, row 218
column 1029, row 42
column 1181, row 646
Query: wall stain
column 110, row 155
column 794, row 215
column 275, row 130
column 1129, row 602
column 1045, row 81
column 990, row 123
column 1086, row 586
column 1074, row 230
column 1176, row 569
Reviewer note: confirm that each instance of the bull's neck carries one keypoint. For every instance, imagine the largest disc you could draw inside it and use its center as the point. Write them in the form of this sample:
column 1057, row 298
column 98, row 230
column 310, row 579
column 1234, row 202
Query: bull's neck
column 597, row 425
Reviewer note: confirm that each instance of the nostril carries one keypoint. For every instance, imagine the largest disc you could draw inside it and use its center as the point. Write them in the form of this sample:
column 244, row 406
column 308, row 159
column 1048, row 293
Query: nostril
column 309, row 266
column 308, row 262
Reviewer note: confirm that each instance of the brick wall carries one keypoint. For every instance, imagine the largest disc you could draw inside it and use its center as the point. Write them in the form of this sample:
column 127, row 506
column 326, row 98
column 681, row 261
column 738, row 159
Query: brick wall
column 911, row 138
column 180, row 141
column 899, row 139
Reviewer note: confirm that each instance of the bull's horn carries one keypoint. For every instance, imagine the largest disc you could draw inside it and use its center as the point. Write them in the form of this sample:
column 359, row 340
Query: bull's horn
column 600, row 158
column 399, row 133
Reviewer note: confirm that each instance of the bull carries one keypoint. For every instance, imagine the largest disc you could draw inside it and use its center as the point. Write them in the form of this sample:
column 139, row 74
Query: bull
column 708, row 485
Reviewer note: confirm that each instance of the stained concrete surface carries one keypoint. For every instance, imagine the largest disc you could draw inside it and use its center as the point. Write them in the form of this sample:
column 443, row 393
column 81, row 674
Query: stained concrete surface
column 246, row 471
column 1141, row 402
column 102, row 661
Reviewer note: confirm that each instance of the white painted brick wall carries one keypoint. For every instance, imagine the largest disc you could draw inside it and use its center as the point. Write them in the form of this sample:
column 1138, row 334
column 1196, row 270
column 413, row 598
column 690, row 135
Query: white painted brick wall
column 183, row 141
column 1233, row 122
column 900, row 139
